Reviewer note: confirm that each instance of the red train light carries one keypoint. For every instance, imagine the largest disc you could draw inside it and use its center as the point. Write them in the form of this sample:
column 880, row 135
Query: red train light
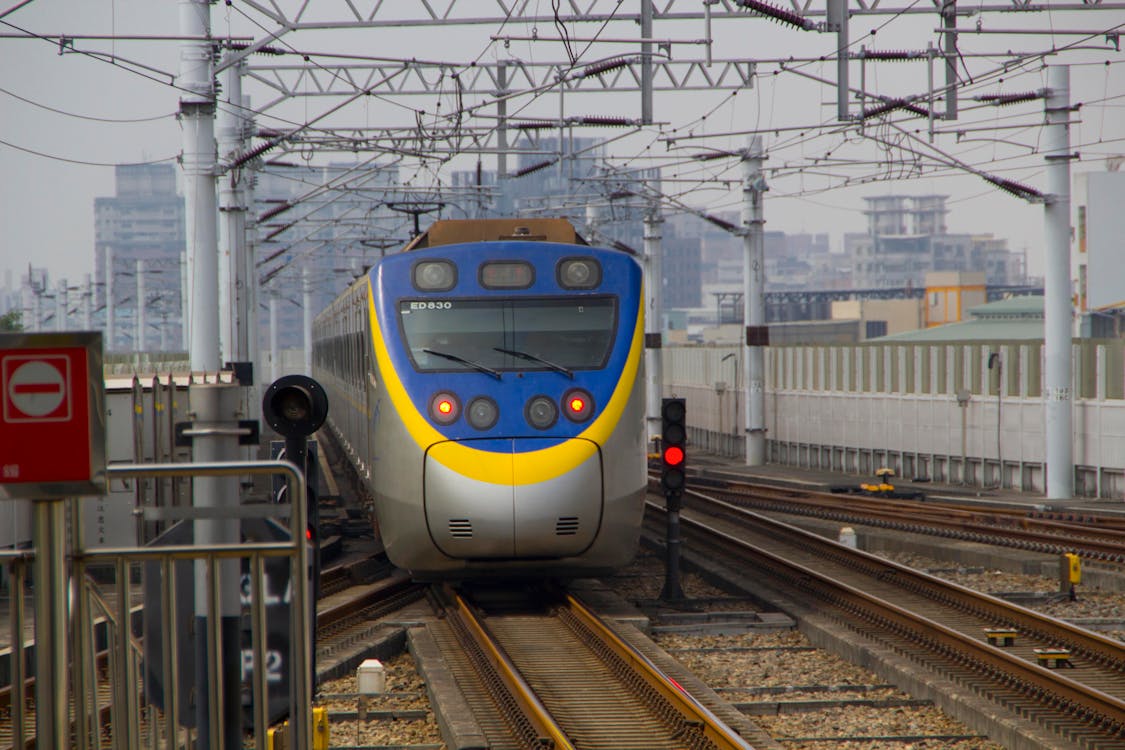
column 578, row 405
column 445, row 408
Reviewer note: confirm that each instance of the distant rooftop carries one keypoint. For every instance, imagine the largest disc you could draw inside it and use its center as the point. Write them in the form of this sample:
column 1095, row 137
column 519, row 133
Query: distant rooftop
column 1012, row 319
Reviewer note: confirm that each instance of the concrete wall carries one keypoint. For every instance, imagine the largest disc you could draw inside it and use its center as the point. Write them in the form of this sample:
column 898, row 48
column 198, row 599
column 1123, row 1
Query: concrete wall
column 855, row 408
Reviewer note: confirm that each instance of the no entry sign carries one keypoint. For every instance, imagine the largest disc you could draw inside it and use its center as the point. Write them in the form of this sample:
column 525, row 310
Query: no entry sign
column 52, row 419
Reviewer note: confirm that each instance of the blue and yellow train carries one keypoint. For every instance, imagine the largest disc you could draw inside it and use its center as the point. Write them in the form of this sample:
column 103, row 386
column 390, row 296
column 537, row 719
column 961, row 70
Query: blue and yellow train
column 488, row 383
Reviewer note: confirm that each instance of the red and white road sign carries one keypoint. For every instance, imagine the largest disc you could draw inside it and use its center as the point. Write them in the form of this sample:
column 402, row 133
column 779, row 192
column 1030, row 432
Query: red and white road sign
column 38, row 388
column 52, row 422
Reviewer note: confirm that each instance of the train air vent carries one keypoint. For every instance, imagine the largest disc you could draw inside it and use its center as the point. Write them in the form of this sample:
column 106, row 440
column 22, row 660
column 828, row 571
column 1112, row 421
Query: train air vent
column 566, row 526
column 460, row 528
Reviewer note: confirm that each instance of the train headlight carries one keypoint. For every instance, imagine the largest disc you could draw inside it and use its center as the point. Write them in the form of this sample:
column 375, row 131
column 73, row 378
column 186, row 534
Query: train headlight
column 483, row 412
column 578, row 405
column 445, row 408
column 434, row 276
column 541, row 412
column 579, row 273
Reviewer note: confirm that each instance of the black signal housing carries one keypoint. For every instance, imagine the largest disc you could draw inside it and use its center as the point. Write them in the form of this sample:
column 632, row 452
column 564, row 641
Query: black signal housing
column 673, row 446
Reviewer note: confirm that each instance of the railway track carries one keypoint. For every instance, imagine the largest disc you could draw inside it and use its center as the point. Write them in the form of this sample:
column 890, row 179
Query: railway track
column 1036, row 530
column 545, row 672
column 1068, row 681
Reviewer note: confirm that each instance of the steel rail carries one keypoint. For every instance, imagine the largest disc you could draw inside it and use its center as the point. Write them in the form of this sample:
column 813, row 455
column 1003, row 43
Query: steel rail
column 1090, row 706
column 1094, row 646
column 1006, row 528
column 338, row 614
column 694, row 712
column 533, row 709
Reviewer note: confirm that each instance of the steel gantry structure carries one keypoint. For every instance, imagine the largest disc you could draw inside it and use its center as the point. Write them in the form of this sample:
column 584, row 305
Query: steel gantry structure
column 488, row 98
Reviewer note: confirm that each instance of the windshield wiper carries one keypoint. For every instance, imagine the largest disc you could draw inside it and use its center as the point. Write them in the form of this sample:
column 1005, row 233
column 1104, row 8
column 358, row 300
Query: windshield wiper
column 524, row 355
column 466, row 362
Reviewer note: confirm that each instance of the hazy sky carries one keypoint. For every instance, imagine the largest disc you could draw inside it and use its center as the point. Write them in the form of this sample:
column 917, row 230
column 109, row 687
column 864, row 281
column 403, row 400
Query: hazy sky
column 65, row 119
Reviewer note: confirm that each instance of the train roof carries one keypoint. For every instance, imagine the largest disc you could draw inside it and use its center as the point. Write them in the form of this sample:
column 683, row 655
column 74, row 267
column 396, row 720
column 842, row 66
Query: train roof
column 451, row 231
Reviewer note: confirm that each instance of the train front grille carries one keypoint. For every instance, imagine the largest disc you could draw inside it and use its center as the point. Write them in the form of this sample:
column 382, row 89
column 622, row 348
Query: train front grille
column 460, row 528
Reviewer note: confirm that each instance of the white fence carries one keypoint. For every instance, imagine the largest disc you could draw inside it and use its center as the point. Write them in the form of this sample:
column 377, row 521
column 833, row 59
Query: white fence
column 933, row 410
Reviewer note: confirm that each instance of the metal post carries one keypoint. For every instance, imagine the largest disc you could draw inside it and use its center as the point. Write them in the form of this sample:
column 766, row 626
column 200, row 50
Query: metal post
column 275, row 355
column 87, row 302
column 646, row 62
column 16, row 615
column 253, row 346
column 139, row 336
column 37, row 317
column 230, row 129
column 52, row 723
column 215, row 411
column 185, row 303
column 307, row 318
column 754, row 307
column 60, row 305
column 197, row 115
column 109, row 332
column 654, row 316
column 949, row 24
column 83, row 661
column 1058, row 310
column 838, row 22
column 505, row 208
column 673, row 586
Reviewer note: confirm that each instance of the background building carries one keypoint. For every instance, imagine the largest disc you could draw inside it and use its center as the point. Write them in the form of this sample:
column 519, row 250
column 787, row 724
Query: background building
column 1099, row 246
column 906, row 237
column 139, row 242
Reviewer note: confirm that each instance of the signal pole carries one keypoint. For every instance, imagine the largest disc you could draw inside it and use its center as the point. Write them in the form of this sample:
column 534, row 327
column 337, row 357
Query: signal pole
column 754, row 310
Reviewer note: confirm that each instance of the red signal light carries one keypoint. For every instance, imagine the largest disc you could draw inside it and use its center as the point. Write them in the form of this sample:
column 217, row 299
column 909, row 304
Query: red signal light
column 444, row 408
column 673, row 455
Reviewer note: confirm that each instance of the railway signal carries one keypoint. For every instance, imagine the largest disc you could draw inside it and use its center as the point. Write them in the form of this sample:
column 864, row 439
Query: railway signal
column 673, row 443
column 673, row 457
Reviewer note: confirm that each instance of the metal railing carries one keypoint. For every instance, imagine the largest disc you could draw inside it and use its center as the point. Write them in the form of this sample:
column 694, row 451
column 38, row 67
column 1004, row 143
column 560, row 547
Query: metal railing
column 97, row 590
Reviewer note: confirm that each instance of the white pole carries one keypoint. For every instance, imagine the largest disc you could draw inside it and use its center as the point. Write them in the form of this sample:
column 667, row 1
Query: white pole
column 197, row 114
column 60, row 306
column 139, row 338
column 87, row 302
column 1057, row 304
column 275, row 365
column 307, row 315
column 504, row 207
column 109, row 332
column 230, row 129
column 654, row 316
column 646, row 63
column 754, row 309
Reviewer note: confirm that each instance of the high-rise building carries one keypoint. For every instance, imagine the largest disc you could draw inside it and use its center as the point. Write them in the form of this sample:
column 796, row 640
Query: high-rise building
column 907, row 237
column 139, row 241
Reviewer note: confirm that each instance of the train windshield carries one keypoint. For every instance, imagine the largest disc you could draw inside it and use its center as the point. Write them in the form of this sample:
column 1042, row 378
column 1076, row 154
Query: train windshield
column 532, row 333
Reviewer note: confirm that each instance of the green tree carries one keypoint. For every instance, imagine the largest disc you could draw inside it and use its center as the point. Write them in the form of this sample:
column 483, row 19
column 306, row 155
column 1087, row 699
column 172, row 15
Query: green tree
column 11, row 321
